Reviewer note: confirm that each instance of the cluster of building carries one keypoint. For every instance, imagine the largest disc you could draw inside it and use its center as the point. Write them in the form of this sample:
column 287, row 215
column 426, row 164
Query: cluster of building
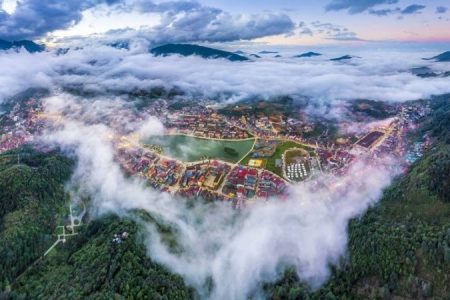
column 264, row 148
column 270, row 185
column 412, row 113
column 165, row 172
column 335, row 161
column 241, row 183
column 160, row 172
column 370, row 139
column 298, row 127
column 203, row 180
column 244, row 183
column 418, row 148
column 118, row 238
column 208, row 125
column 195, row 192
column 20, row 125
column 209, row 175
column 257, row 125
column 136, row 160
column 296, row 171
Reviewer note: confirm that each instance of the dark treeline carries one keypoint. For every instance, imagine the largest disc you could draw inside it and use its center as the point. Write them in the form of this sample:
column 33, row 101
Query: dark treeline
column 96, row 265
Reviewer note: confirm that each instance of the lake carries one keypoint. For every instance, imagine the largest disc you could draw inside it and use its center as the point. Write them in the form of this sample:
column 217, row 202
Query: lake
column 188, row 148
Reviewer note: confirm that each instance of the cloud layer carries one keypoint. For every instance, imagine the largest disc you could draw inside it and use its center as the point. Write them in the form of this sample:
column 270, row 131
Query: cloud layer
column 103, row 69
column 181, row 21
column 186, row 21
column 356, row 6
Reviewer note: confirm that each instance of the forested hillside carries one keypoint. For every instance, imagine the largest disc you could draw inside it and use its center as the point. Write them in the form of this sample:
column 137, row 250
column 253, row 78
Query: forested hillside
column 33, row 203
column 97, row 265
column 31, row 196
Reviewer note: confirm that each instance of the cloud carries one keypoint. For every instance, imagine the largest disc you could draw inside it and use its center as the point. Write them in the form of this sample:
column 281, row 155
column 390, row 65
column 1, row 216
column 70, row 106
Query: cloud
column 149, row 127
column 334, row 32
column 304, row 29
column 186, row 21
column 35, row 18
column 108, row 70
column 356, row 6
column 384, row 12
column 181, row 21
column 210, row 26
column 441, row 9
column 236, row 250
column 412, row 9
column 409, row 10
column 22, row 70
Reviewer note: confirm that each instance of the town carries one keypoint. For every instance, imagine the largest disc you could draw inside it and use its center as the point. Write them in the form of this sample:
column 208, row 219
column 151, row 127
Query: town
column 280, row 149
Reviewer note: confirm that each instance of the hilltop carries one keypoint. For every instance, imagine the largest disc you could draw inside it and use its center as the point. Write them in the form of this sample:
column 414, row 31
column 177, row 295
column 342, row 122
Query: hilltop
column 345, row 57
column 30, row 46
column 443, row 57
column 188, row 50
column 268, row 52
column 308, row 54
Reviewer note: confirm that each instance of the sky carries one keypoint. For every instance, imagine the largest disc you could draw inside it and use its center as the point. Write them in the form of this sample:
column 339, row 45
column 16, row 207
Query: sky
column 274, row 22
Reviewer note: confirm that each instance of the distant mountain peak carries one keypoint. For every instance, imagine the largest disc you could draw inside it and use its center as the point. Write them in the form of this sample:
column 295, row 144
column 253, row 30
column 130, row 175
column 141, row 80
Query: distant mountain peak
column 443, row 57
column 344, row 57
column 190, row 49
column 30, row 46
column 308, row 54
column 267, row 52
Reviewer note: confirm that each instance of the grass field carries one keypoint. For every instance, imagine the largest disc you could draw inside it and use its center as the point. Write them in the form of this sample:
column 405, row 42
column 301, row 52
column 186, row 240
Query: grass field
column 271, row 166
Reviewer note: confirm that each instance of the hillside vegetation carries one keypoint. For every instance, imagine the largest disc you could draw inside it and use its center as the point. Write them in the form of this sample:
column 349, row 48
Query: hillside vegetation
column 94, row 265
column 31, row 195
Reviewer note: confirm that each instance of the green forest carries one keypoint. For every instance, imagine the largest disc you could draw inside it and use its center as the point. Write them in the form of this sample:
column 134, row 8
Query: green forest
column 399, row 249
column 31, row 194
column 89, row 265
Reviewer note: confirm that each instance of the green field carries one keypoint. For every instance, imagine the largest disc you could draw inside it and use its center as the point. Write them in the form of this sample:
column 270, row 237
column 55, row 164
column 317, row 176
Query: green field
column 279, row 152
column 188, row 148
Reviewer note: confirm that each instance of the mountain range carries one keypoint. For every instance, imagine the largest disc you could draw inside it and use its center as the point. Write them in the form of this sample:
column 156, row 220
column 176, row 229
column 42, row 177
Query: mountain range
column 188, row 50
column 30, row 46
column 443, row 57
column 345, row 57
column 307, row 54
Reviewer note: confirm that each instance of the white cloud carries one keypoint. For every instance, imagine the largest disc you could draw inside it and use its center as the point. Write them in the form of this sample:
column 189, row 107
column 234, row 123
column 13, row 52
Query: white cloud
column 150, row 127
column 103, row 69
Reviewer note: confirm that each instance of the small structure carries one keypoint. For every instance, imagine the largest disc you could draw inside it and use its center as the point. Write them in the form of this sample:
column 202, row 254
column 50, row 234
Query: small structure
column 257, row 163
